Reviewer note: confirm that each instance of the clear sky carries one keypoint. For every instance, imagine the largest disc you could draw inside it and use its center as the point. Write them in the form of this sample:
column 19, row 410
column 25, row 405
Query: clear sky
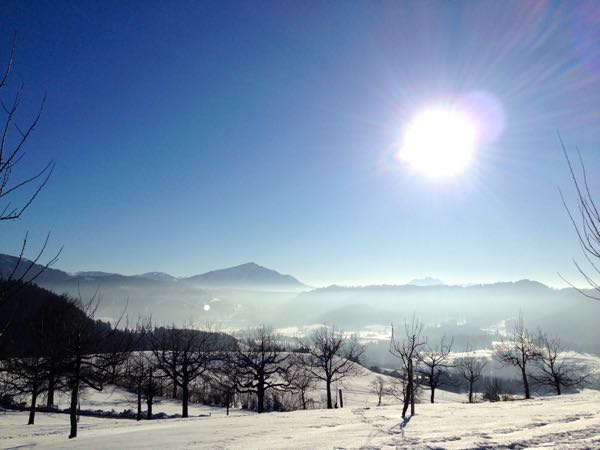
column 190, row 136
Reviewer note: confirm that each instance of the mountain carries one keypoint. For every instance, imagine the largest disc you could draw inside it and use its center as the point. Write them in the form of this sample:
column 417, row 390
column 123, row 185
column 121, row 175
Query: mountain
column 95, row 274
column 249, row 275
column 243, row 295
column 157, row 276
column 488, row 308
column 26, row 268
column 427, row 281
column 250, row 294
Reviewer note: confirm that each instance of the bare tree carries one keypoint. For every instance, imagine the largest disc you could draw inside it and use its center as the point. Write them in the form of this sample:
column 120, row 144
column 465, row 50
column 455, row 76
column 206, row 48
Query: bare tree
column 12, row 150
column 555, row 370
column 184, row 355
column 379, row 386
column 398, row 385
column 407, row 349
column 259, row 364
column 224, row 376
column 302, row 380
column 518, row 350
column 586, row 222
column 470, row 367
column 82, row 344
column 140, row 372
column 27, row 375
column 18, row 192
column 49, row 323
column 228, row 391
column 333, row 356
column 115, row 359
column 433, row 364
column 494, row 389
column 153, row 387
column 37, row 366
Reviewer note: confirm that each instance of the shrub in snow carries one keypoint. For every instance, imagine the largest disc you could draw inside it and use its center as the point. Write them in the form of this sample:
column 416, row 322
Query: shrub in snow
column 494, row 389
column 8, row 401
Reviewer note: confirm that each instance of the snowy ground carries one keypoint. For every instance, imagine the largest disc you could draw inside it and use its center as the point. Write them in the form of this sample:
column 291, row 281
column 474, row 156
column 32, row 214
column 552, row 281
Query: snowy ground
column 117, row 399
column 570, row 421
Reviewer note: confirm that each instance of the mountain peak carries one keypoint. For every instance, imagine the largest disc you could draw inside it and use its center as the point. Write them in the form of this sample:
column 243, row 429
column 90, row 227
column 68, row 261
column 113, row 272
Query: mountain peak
column 246, row 275
column 158, row 276
column 249, row 265
column 426, row 281
column 95, row 274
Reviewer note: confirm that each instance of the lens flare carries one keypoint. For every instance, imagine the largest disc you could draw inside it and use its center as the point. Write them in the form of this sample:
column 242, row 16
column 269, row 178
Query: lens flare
column 485, row 112
column 439, row 143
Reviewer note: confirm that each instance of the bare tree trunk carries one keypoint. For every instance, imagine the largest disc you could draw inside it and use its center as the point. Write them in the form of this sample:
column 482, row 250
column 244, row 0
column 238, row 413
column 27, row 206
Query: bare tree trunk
column 51, row 388
column 471, row 392
column 329, row 403
column 139, row 401
column 73, row 410
column 149, row 401
column 34, row 395
column 74, row 398
column 410, row 390
column 406, row 402
column 431, row 384
column 557, row 385
column 405, row 406
column 260, row 394
column 174, row 371
column 150, row 395
column 185, row 394
column 525, row 383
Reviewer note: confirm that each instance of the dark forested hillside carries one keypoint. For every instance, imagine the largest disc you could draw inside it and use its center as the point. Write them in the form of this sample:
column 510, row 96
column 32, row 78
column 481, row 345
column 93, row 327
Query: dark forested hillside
column 30, row 315
column 33, row 316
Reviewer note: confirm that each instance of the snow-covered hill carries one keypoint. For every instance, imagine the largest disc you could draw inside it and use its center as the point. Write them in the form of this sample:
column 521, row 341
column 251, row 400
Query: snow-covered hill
column 569, row 421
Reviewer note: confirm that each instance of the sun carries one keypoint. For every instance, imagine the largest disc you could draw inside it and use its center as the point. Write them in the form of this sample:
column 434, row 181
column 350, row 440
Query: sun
column 439, row 143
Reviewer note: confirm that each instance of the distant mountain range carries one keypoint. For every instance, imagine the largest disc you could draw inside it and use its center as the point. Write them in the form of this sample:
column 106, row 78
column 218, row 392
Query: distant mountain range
column 427, row 281
column 246, row 276
column 250, row 294
column 158, row 276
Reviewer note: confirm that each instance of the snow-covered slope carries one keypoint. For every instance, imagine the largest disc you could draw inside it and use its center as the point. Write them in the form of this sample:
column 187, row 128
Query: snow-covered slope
column 569, row 421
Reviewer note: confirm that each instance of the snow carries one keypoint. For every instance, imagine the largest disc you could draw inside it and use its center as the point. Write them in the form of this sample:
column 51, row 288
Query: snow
column 114, row 398
column 568, row 421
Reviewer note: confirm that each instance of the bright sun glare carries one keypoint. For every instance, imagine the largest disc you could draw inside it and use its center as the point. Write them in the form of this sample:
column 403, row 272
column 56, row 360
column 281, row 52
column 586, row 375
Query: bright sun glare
column 439, row 143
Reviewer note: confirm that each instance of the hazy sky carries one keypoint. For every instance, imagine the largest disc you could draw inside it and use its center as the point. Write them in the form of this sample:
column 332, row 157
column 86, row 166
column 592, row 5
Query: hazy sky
column 190, row 136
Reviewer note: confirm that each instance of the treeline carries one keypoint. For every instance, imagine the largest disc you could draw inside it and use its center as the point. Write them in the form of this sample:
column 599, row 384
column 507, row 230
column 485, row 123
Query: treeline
column 537, row 358
column 53, row 344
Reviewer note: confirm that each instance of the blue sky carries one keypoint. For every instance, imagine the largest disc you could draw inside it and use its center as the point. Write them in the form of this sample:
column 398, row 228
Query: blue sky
column 190, row 136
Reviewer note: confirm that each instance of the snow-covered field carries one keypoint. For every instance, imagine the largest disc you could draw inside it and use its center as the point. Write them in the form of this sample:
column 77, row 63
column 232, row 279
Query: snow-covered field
column 569, row 421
